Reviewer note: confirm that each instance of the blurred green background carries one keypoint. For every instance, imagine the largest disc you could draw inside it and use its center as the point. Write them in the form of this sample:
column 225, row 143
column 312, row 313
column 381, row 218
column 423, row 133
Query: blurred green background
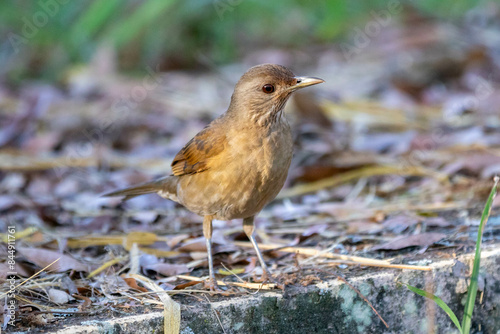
column 41, row 38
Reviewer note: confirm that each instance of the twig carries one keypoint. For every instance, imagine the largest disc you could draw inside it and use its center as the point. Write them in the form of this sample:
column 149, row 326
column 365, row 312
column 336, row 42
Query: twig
column 73, row 312
column 171, row 309
column 344, row 259
column 254, row 286
column 356, row 174
column 393, row 266
column 233, row 273
column 311, row 252
column 364, row 298
column 216, row 314
column 106, row 265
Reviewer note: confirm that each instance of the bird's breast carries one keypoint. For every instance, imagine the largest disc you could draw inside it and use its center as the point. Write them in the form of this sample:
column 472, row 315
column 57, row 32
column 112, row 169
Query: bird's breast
column 248, row 174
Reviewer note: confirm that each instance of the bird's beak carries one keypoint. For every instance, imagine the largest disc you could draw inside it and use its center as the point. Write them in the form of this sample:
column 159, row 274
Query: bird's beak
column 306, row 81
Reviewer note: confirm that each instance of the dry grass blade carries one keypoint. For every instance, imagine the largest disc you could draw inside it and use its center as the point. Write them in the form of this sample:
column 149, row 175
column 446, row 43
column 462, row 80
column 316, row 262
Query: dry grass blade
column 141, row 238
column 335, row 180
column 107, row 265
column 374, row 113
column 364, row 298
column 11, row 160
column 312, row 252
column 134, row 260
column 158, row 252
column 19, row 235
column 393, row 266
column 253, row 286
column 127, row 240
column 171, row 309
column 216, row 315
column 341, row 259
column 95, row 241
column 29, row 278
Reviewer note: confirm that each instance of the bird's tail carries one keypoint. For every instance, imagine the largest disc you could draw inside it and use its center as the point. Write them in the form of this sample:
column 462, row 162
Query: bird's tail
column 164, row 186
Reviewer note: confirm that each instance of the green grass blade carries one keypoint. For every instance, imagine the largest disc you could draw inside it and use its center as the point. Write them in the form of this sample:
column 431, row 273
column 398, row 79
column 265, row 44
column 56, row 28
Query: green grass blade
column 95, row 16
column 439, row 302
column 145, row 14
column 471, row 295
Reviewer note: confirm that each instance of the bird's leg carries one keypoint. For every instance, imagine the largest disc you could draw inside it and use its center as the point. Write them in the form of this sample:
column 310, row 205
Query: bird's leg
column 249, row 227
column 207, row 232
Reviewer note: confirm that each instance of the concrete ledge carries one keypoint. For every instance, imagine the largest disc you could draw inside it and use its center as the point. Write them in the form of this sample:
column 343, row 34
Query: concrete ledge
column 333, row 307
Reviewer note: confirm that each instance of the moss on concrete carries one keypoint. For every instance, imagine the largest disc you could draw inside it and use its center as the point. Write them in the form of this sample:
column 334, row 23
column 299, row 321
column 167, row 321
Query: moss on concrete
column 332, row 307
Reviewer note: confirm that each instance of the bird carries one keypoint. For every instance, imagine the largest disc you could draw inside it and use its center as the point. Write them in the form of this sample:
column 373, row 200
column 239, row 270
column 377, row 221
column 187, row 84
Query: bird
column 239, row 162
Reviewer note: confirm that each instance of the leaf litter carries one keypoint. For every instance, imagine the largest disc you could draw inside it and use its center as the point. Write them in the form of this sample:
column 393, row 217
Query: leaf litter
column 385, row 165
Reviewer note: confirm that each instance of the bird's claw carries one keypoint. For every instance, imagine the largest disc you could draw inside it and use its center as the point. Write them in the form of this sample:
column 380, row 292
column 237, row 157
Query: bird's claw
column 266, row 278
column 214, row 288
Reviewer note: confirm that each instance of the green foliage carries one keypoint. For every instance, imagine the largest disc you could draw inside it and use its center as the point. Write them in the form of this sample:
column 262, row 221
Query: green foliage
column 439, row 302
column 472, row 290
column 41, row 37
column 471, row 295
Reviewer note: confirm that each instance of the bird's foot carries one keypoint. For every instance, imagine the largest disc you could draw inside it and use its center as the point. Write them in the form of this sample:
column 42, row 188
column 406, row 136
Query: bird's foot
column 211, row 284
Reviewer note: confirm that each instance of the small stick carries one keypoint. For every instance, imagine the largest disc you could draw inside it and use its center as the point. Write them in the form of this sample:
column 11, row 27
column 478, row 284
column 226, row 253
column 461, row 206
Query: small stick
column 254, row 286
column 393, row 266
column 344, row 259
column 216, row 314
column 311, row 252
column 106, row 265
column 364, row 298
column 29, row 278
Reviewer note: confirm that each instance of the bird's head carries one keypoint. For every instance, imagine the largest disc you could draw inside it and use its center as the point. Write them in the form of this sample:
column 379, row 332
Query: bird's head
column 262, row 92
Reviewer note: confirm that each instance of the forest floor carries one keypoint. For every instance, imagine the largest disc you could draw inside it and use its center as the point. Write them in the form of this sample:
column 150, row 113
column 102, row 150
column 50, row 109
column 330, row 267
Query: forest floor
column 394, row 158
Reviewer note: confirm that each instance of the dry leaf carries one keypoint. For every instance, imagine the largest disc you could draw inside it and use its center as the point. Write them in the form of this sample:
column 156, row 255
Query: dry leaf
column 420, row 240
column 167, row 269
column 194, row 245
column 113, row 284
column 59, row 297
column 437, row 222
column 171, row 311
column 139, row 238
column 234, row 271
column 133, row 284
column 86, row 302
column 44, row 257
column 399, row 223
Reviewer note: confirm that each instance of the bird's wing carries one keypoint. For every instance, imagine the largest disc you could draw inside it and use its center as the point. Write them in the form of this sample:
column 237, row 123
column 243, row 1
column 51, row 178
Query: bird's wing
column 195, row 156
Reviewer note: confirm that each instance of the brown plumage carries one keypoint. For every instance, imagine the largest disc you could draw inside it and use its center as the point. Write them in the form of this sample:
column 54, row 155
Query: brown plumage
column 239, row 162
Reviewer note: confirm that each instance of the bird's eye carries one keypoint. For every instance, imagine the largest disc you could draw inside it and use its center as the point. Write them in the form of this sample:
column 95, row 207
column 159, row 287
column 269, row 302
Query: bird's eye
column 268, row 88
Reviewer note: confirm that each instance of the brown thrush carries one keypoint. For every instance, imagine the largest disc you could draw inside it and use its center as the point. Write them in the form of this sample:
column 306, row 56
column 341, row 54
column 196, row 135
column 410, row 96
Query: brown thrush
column 239, row 162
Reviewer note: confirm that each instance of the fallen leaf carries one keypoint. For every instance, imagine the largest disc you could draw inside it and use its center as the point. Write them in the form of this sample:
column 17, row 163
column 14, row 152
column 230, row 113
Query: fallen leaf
column 177, row 239
column 438, row 222
column 133, row 284
column 315, row 229
column 145, row 217
column 419, row 240
column 194, row 245
column 182, row 286
column 234, row 271
column 113, row 284
column 59, row 297
column 44, row 257
column 86, row 302
column 363, row 226
column 167, row 269
column 399, row 223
